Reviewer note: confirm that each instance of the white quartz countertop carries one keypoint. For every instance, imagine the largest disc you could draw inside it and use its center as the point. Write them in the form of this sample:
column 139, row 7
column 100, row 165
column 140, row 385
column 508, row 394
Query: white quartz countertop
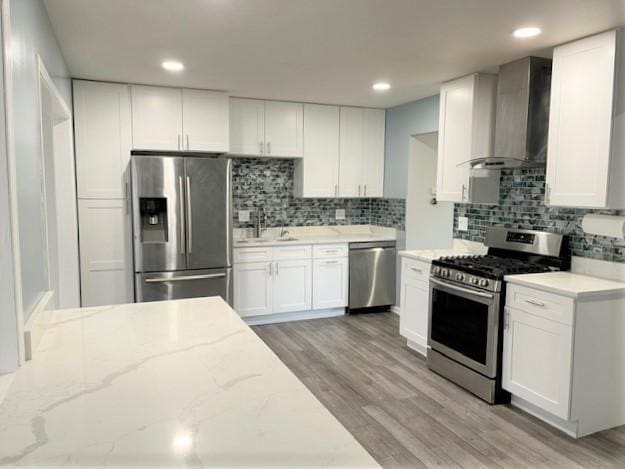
column 460, row 248
column 167, row 384
column 569, row 284
column 315, row 239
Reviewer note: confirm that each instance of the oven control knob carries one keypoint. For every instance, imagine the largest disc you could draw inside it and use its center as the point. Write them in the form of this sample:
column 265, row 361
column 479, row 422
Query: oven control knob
column 460, row 277
column 436, row 270
column 484, row 283
column 445, row 272
column 474, row 280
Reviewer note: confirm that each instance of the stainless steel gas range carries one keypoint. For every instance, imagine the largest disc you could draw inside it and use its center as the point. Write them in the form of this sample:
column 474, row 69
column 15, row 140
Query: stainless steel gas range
column 467, row 296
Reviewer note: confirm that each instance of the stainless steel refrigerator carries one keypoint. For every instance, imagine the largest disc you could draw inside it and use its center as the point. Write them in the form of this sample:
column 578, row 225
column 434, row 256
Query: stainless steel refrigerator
column 182, row 227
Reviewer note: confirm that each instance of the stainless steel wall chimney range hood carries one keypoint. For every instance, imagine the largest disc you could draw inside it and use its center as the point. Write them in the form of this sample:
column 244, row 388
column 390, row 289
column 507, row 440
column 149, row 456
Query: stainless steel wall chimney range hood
column 521, row 122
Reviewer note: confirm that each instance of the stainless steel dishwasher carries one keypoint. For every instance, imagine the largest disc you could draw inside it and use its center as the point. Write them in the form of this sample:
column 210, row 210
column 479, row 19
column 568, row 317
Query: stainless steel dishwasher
column 371, row 274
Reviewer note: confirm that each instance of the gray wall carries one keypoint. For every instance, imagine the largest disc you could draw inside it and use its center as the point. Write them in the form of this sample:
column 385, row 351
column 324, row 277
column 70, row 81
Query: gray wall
column 402, row 121
column 32, row 34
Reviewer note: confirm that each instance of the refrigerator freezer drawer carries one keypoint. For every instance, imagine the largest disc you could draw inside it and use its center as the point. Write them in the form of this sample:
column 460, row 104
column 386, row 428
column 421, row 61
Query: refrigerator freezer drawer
column 160, row 286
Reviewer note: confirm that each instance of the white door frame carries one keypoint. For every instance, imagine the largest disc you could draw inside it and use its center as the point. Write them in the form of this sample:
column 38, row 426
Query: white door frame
column 12, row 175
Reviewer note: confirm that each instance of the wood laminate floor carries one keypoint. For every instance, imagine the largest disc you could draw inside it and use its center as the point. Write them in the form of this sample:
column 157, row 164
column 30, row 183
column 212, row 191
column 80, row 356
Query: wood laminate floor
column 405, row 415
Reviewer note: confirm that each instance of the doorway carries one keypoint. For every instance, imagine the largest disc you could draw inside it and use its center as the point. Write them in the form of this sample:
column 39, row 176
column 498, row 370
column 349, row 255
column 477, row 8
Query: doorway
column 429, row 223
column 59, row 196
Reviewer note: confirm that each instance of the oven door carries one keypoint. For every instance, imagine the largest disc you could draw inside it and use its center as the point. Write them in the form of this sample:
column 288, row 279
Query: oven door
column 464, row 325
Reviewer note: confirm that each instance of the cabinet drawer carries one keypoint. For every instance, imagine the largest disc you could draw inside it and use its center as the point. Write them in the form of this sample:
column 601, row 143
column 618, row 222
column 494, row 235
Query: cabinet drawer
column 416, row 270
column 292, row 252
column 252, row 254
column 540, row 303
column 325, row 251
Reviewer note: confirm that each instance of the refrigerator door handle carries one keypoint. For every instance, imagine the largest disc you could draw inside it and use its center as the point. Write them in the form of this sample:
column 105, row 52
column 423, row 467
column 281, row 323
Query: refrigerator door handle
column 184, row 278
column 189, row 218
column 181, row 223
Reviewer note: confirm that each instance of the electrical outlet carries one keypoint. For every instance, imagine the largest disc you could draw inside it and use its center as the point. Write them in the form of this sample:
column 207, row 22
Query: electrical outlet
column 463, row 224
column 244, row 215
column 339, row 214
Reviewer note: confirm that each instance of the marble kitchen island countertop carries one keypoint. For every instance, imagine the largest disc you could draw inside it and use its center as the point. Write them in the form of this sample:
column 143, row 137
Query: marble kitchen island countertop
column 569, row 284
column 166, row 384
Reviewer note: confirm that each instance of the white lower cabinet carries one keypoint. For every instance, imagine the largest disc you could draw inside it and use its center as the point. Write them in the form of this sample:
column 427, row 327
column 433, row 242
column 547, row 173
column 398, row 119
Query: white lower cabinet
column 537, row 361
column 106, row 268
column 253, row 288
column 292, row 286
column 415, row 303
column 330, row 283
column 290, row 279
column 563, row 357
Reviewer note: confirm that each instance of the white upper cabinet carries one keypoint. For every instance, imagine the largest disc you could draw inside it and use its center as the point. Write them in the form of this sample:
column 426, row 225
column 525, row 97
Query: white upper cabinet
column 373, row 152
column 466, row 132
column 351, row 151
column 247, row 126
column 156, row 118
column 175, row 119
column 317, row 174
column 205, row 121
column 103, row 139
column 586, row 149
column 284, row 129
column 266, row 128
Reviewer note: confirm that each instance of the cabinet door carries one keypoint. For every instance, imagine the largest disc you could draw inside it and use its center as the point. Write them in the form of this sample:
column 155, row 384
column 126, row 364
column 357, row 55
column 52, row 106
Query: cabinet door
column 330, row 283
column 284, row 129
column 580, row 122
column 318, row 173
column 105, row 252
column 253, row 288
column 454, row 139
column 350, row 151
column 415, row 303
column 103, row 139
column 247, row 126
column 537, row 358
column 373, row 152
column 292, row 286
column 156, row 118
column 206, row 121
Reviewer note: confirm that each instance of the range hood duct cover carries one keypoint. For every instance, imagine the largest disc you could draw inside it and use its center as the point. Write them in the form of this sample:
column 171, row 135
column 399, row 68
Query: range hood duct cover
column 522, row 119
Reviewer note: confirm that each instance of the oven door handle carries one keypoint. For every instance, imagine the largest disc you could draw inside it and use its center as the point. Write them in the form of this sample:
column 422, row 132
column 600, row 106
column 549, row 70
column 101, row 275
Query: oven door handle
column 462, row 290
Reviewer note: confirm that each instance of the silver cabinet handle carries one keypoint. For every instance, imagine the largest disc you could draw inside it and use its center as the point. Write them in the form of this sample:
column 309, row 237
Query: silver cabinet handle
column 536, row 303
column 181, row 223
column 365, row 194
column 464, row 188
column 330, row 251
column 271, row 269
column 332, row 262
column 416, row 270
column 183, row 279
column 506, row 321
column 260, row 148
column 277, row 269
column 336, row 190
column 127, row 197
column 188, row 147
column 269, row 148
column 358, row 190
column 189, row 217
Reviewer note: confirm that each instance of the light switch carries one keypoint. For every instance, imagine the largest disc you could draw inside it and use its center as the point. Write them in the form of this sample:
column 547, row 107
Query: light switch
column 244, row 215
column 463, row 224
column 339, row 214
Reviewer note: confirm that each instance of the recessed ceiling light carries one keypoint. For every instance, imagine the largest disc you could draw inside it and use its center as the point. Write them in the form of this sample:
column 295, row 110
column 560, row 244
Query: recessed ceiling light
column 381, row 86
column 172, row 66
column 523, row 33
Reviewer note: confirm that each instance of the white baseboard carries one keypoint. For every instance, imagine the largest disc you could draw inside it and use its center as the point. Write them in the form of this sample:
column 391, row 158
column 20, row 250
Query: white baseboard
column 5, row 382
column 396, row 310
column 417, row 347
column 36, row 324
column 570, row 428
column 297, row 316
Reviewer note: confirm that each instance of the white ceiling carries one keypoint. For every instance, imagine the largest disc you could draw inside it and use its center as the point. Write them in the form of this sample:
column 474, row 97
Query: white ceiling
column 328, row 51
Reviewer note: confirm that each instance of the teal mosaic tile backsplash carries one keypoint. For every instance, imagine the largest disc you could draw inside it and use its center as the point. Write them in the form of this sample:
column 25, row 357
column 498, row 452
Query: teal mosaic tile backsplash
column 267, row 184
column 521, row 205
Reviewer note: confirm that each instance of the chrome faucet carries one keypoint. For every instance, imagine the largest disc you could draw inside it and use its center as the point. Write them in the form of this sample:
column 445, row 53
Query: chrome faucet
column 258, row 229
column 283, row 232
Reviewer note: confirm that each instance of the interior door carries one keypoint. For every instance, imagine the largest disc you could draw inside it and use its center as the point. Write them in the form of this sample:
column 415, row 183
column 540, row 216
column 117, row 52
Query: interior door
column 157, row 186
column 208, row 212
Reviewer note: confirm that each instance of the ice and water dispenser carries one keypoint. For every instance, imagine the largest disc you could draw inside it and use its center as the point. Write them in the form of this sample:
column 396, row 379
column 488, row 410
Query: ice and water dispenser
column 153, row 216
